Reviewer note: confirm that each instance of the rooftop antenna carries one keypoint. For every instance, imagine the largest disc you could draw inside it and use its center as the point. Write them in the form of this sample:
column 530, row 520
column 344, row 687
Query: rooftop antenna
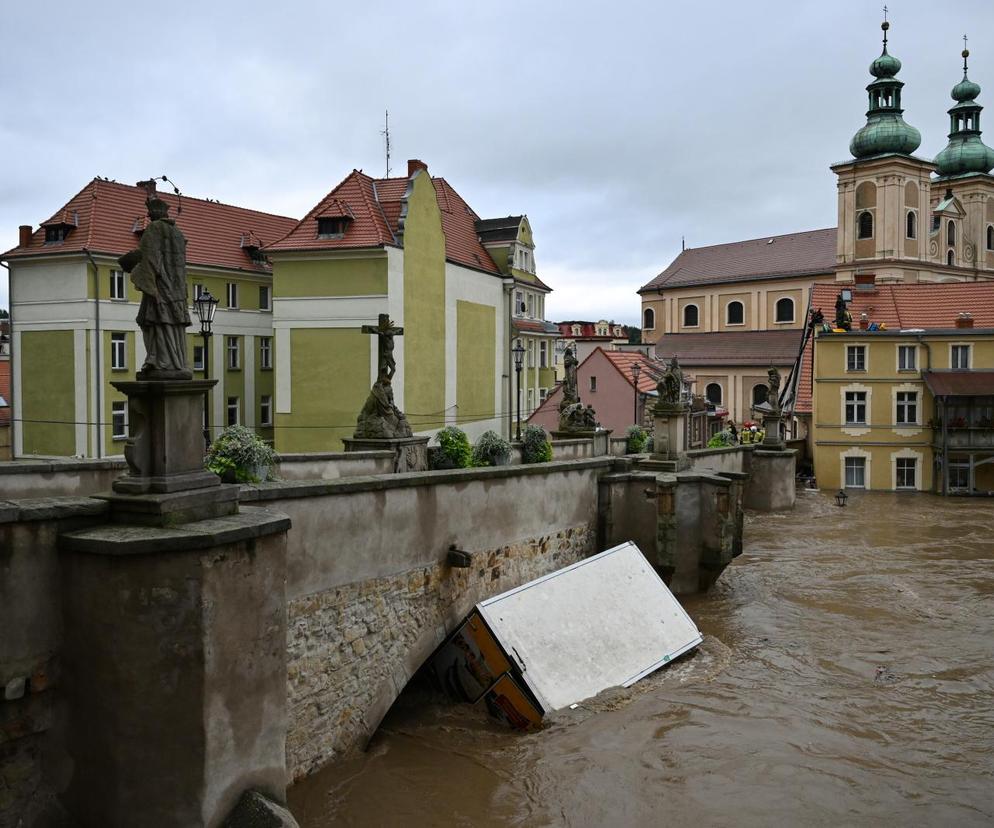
column 683, row 243
column 385, row 132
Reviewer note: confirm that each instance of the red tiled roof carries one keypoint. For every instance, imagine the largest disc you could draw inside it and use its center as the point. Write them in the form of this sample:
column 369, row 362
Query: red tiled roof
column 793, row 254
column 588, row 330
column 376, row 206
column 763, row 348
column 960, row 383
column 354, row 196
column 802, row 398
column 5, row 390
column 107, row 214
column 652, row 369
column 922, row 305
column 534, row 326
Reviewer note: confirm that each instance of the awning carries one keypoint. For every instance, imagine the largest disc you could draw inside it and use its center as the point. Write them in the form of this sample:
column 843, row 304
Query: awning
column 960, row 383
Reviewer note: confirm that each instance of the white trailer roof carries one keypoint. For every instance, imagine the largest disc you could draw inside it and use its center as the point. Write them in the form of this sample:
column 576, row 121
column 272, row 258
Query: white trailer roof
column 606, row 621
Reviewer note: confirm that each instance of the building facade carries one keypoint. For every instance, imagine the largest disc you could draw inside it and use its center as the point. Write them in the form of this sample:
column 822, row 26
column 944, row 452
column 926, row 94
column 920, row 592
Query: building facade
column 905, row 400
column 73, row 318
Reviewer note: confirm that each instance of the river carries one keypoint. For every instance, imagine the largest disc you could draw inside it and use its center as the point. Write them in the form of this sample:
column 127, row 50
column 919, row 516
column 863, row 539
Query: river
column 846, row 678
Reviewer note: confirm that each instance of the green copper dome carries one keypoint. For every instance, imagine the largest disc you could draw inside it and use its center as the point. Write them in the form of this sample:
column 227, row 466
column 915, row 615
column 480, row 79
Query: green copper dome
column 885, row 130
column 965, row 153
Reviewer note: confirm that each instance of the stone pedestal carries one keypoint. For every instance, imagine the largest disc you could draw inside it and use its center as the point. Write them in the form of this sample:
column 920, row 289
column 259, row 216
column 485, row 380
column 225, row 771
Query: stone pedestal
column 772, row 440
column 410, row 453
column 167, row 483
column 669, row 431
column 175, row 669
column 771, row 486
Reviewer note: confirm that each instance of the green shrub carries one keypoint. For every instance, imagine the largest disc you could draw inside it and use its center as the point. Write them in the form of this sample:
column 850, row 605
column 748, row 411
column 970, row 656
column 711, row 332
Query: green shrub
column 536, row 447
column 491, row 450
column 454, row 450
column 650, row 444
column 638, row 437
column 240, row 456
column 722, row 439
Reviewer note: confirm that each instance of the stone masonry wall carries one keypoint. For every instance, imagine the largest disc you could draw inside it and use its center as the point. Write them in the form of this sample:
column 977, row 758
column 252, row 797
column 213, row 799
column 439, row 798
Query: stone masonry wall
column 352, row 649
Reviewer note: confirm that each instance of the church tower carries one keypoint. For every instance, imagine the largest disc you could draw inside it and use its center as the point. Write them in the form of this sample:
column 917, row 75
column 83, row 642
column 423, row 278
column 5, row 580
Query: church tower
column 884, row 194
column 963, row 218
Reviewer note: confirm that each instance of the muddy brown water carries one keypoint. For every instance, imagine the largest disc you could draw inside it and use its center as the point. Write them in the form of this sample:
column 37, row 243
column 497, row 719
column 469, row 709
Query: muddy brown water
column 846, row 678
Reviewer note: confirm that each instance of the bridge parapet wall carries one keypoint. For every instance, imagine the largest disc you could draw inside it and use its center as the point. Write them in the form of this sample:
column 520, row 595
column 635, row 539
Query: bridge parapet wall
column 370, row 594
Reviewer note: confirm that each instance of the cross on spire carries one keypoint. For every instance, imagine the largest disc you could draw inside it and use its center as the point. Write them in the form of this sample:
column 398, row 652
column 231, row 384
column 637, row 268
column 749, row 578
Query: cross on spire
column 885, row 26
column 966, row 54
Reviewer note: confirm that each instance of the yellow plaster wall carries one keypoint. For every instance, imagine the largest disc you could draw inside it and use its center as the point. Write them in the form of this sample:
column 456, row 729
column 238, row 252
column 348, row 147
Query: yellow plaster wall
column 476, row 349
column 360, row 276
column 48, row 393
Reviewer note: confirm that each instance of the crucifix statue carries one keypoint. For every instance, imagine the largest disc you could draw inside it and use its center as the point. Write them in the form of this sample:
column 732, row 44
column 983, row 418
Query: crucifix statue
column 384, row 332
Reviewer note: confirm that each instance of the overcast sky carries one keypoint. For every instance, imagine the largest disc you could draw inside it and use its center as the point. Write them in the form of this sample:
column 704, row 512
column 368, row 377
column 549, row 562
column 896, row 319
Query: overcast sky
column 617, row 127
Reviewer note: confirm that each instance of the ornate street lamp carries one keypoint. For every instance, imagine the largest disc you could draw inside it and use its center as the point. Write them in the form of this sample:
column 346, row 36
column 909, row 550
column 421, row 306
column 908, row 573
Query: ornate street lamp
column 519, row 357
column 841, row 498
column 636, row 370
column 205, row 306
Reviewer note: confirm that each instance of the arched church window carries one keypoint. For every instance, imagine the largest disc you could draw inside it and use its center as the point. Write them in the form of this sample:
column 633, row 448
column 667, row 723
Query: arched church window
column 735, row 313
column 990, row 236
column 713, row 393
column 691, row 316
column 649, row 319
column 760, row 394
column 950, row 233
column 912, row 231
column 949, row 258
column 785, row 309
column 865, row 228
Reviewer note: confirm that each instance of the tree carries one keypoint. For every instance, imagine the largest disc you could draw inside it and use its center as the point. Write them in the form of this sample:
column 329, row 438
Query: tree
column 634, row 335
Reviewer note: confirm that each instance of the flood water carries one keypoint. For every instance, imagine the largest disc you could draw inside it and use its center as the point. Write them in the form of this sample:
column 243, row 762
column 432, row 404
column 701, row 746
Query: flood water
column 846, row 678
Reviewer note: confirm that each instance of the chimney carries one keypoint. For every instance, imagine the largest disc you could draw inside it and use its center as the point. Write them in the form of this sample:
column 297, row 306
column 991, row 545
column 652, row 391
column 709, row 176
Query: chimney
column 864, row 321
column 24, row 235
column 414, row 165
column 148, row 186
column 964, row 320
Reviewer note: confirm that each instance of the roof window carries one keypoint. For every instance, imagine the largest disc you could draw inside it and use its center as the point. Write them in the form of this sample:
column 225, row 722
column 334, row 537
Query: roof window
column 332, row 227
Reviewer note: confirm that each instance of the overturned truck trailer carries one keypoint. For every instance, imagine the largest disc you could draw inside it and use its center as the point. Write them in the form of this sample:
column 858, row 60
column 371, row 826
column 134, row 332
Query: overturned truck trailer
column 606, row 621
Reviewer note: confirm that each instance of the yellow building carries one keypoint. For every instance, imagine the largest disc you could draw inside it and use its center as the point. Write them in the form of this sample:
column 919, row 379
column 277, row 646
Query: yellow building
column 908, row 407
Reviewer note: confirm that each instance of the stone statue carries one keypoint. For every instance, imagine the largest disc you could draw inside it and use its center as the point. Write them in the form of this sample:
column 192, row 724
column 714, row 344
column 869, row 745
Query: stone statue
column 380, row 419
column 670, row 385
column 384, row 332
column 843, row 319
column 773, row 394
column 158, row 270
column 570, row 393
column 590, row 418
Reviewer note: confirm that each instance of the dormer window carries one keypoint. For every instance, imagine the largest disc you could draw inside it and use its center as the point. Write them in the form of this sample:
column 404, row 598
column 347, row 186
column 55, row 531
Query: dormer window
column 55, row 233
column 332, row 228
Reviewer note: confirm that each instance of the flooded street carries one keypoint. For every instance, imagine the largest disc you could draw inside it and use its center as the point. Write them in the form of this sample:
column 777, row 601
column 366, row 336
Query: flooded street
column 846, row 678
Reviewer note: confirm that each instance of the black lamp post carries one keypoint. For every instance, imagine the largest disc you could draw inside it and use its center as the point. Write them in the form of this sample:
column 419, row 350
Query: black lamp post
column 636, row 370
column 519, row 357
column 841, row 498
column 205, row 305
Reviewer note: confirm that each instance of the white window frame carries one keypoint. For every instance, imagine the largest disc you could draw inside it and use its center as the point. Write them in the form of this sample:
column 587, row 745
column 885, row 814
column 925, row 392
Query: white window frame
column 907, row 349
column 233, row 349
column 863, row 466
column 118, row 287
column 266, row 410
column 198, row 291
column 198, row 365
column 862, row 351
column 903, row 461
column 728, row 315
column 901, row 408
column 119, row 416
column 969, row 355
column 911, row 212
column 530, row 349
column 543, row 354
column 265, row 353
column 855, row 403
column 232, row 295
column 793, row 311
column 233, row 404
column 721, row 393
column 683, row 315
column 118, row 351
column 519, row 303
column 267, row 292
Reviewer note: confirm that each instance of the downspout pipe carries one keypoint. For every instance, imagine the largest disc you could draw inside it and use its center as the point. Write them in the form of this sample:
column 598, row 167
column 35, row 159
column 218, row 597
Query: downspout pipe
column 96, row 339
column 937, row 485
column 10, row 325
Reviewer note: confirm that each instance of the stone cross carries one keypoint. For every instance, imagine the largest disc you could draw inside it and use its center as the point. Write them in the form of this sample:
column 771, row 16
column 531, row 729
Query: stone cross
column 385, row 332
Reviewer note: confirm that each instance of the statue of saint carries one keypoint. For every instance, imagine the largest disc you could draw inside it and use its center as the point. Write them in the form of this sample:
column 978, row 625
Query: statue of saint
column 843, row 318
column 670, row 386
column 773, row 394
column 570, row 393
column 380, row 419
column 158, row 270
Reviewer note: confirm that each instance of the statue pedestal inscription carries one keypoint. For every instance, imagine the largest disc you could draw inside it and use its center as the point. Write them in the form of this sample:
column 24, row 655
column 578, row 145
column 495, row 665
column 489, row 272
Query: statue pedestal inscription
column 409, row 453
